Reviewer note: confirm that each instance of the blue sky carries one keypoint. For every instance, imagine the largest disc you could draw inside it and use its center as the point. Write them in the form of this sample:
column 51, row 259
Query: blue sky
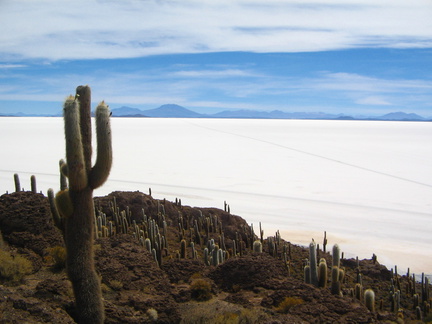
column 337, row 56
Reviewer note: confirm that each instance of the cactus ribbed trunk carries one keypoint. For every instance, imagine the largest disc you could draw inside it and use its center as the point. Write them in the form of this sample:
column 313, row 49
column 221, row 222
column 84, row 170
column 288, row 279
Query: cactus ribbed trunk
column 79, row 238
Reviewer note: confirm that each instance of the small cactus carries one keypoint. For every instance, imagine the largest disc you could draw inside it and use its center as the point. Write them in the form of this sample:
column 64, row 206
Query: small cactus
column 419, row 314
column 257, row 246
column 336, row 256
column 358, row 291
column 313, row 264
column 369, row 299
column 325, row 242
column 335, row 281
column 337, row 274
column 17, row 183
column 206, row 257
column 33, row 184
column 183, row 249
column 322, row 273
column 193, row 251
column 307, row 276
column 148, row 244
column 215, row 255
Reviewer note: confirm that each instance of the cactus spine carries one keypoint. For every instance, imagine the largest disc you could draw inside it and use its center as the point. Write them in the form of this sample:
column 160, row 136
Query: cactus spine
column 79, row 216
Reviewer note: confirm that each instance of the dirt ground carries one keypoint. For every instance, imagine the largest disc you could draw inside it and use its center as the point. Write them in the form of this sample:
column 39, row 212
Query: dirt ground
column 245, row 287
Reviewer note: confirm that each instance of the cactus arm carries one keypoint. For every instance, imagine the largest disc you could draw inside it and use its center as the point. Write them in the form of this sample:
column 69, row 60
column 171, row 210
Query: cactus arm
column 64, row 203
column 58, row 221
column 102, row 167
column 83, row 95
column 74, row 151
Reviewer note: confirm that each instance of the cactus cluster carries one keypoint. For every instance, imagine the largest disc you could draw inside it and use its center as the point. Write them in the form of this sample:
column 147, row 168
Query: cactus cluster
column 315, row 274
column 17, row 182
column 213, row 254
column 151, row 233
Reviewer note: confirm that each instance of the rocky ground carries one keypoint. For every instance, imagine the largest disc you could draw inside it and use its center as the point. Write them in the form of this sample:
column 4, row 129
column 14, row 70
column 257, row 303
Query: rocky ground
column 247, row 287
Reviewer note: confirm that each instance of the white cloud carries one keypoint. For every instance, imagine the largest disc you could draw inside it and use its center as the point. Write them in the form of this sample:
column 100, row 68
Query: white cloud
column 224, row 73
column 11, row 66
column 112, row 29
column 361, row 83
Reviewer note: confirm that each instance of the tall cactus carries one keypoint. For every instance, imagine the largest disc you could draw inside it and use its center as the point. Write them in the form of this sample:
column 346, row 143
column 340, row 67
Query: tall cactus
column 75, row 205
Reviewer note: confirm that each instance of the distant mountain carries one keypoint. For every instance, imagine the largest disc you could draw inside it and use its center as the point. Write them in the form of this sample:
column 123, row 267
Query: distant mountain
column 401, row 116
column 164, row 111
column 172, row 111
column 127, row 111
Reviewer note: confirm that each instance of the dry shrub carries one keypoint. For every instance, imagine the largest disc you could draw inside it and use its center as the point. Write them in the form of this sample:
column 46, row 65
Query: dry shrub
column 227, row 318
column 13, row 269
column 58, row 256
column 217, row 312
column 116, row 285
column 152, row 314
column 287, row 303
column 196, row 275
column 201, row 290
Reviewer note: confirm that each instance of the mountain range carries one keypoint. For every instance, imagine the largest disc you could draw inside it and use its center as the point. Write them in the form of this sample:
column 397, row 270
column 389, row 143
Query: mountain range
column 176, row 111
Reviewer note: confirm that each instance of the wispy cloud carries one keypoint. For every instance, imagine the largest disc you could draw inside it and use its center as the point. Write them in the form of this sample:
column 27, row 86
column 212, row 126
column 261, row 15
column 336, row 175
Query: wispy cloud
column 224, row 73
column 11, row 66
column 362, row 83
column 239, row 86
column 88, row 29
column 373, row 100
